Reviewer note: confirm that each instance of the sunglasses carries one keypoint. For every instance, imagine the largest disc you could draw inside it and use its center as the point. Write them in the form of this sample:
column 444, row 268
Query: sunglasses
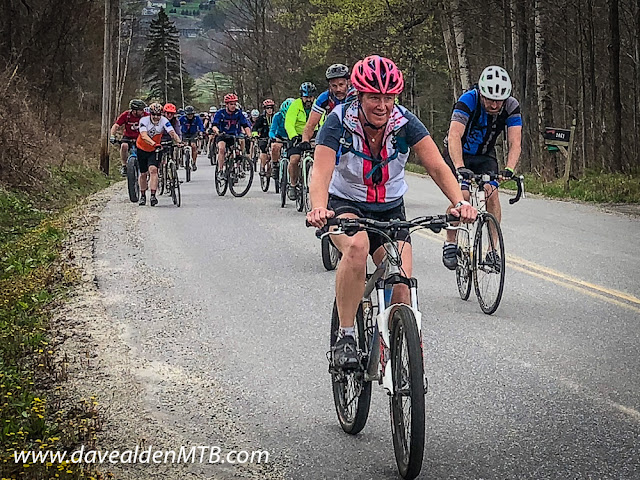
column 156, row 114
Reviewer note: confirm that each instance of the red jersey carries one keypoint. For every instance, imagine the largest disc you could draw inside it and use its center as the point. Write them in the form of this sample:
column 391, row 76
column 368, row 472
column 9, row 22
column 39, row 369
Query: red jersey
column 131, row 123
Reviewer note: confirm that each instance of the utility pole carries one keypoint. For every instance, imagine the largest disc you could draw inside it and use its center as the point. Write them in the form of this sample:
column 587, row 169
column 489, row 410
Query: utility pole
column 180, row 66
column 106, row 89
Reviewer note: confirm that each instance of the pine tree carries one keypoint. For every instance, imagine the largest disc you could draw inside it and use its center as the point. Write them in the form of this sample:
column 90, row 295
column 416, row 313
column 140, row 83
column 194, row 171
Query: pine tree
column 162, row 61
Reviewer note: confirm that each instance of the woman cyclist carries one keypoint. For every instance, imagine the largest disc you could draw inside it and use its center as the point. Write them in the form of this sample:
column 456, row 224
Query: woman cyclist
column 358, row 171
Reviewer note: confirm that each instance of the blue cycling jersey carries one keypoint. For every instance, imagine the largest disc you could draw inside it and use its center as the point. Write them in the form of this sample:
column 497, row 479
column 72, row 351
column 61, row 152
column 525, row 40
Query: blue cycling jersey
column 326, row 101
column 277, row 127
column 481, row 129
column 230, row 123
column 191, row 127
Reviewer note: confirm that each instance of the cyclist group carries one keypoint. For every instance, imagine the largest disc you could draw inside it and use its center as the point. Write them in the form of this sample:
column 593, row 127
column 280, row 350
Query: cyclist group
column 362, row 148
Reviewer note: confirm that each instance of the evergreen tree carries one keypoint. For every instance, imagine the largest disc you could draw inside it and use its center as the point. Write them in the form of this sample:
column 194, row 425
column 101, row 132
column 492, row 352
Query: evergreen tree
column 162, row 62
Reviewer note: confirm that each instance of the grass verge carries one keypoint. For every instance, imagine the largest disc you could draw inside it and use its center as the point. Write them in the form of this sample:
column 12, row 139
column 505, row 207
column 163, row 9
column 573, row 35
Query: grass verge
column 33, row 278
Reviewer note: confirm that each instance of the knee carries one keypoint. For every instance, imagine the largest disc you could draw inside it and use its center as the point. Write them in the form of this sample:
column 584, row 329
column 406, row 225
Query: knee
column 153, row 170
column 356, row 251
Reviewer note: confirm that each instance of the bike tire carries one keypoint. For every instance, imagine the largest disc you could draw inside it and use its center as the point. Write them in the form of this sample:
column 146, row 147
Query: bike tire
column 246, row 166
column 485, row 275
column 161, row 179
column 353, row 420
column 276, row 180
column 264, row 180
column 133, row 173
column 187, row 163
column 330, row 254
column 464, row 270
column 177, row 199
column 221, row 183
column 408, row 383
column 306, row 198
column 283, row 182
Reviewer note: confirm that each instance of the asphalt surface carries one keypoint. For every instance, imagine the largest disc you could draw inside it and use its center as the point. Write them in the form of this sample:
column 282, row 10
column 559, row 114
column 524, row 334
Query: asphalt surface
column 232, row 291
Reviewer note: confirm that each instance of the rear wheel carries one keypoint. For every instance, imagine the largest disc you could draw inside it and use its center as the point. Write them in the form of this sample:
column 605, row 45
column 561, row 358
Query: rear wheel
column 240, row 176
column 407, row 401
column 221, row 181
column 330, row 254
column 133, row 173
column 276, row 176
column 351, row 393
column 488, row 263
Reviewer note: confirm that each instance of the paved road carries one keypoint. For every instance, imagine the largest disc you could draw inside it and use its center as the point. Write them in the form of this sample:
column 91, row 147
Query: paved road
column 232, row 292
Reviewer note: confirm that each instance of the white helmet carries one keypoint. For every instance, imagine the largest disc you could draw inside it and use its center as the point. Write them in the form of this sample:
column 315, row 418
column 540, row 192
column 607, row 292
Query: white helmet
column 255, row 113
column 495, row 83
column 213, row 109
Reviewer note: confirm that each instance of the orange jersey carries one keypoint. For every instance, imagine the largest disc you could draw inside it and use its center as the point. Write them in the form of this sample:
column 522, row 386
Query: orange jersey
column 154, row 130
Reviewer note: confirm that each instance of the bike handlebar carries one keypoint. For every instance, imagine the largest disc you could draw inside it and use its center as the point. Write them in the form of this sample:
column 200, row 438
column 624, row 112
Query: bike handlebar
column 350, row 226
column 482, row 178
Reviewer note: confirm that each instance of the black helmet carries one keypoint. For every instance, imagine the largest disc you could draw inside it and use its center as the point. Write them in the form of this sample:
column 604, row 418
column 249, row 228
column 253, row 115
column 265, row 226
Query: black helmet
column 136, row 104
column 337, row 70
column 189, row 110
column 308, row 89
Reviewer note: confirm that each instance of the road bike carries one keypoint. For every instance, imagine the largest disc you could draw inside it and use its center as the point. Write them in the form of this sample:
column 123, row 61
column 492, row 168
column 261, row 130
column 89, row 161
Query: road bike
column 389, row 345
column 481, row 256
column 237, row 173
column 186, row 159
column 264, row 170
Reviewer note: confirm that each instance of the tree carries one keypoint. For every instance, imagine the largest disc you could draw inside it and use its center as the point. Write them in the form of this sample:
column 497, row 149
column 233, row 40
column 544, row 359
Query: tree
column 162, row 67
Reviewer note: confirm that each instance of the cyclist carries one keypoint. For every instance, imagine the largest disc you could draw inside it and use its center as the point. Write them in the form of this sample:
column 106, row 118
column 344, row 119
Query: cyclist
column 169, row 111
column 212, row 112
column 340, row 91
column 130, row 120
column 254, row 116
column 358, row 171
column 295, row 122
column 227, row 123
column 278, row 134
column 151, row 130
column 192, row 127
column 260, row 131
column 479, row 117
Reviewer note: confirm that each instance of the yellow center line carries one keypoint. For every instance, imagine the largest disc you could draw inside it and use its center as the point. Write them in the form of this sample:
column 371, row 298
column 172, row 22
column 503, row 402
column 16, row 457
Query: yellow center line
column 609, row 295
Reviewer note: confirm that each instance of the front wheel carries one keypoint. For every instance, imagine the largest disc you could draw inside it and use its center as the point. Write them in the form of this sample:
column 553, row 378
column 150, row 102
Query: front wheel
column 265, row 178
column 488, row 263
column 330, row 254
column 240, row 176
column 284, row 165
column 133, row 174
column 187, row 163
column 351, row 393
column 306, row 198
column 175, row 185
column 464, row 272
column 221, row 181
column 407, row 402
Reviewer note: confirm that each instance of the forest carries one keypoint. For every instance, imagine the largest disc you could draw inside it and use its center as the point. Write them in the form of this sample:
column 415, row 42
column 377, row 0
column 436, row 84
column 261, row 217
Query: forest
column 573, row 61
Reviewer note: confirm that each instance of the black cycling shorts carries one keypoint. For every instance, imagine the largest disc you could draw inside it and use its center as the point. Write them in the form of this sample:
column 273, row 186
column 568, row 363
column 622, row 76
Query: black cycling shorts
column 147, row 159
column 227, row 139
column 262, row 144
column 478, row 164
column 190, row 138
column 342, row 205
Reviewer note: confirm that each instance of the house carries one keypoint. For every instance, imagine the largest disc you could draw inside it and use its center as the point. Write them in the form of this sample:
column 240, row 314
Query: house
column 149, row 11
column 157, row 5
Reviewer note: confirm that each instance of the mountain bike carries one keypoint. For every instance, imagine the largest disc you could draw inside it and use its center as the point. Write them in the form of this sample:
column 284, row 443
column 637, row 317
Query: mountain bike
column 213, row 150
column 389, row 345
column 167, row 152
column 169, row 177
column 481, row 255
column 186, row 159
column 283, row 175
column 330, row 254
column 237, row 173
column 305, row 168
column 276, row 174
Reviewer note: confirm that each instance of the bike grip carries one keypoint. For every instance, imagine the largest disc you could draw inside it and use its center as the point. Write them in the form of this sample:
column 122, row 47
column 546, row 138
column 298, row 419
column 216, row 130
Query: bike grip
column 450, row 218
column 518, row 193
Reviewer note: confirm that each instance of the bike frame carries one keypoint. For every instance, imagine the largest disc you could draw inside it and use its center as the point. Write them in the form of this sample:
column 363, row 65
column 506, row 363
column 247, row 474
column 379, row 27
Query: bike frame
column 386, row 275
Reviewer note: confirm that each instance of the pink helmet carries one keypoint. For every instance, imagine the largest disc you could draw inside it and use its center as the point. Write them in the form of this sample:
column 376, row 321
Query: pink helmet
column 376, row 74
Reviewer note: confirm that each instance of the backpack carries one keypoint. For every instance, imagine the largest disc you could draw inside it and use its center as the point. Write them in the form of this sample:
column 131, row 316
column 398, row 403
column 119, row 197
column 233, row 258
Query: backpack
column 500, row 123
